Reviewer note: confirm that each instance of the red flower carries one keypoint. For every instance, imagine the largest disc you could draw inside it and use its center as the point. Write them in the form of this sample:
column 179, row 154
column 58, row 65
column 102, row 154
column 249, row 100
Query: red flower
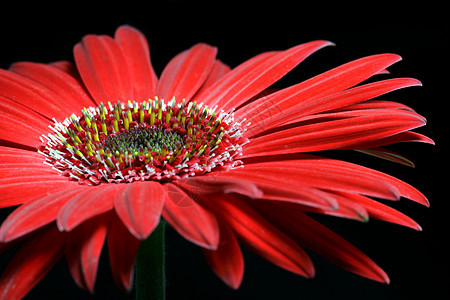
column 209, row 149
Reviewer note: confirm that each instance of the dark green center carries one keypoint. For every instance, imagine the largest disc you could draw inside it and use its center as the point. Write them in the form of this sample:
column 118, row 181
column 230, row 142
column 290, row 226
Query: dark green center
column 139, row 139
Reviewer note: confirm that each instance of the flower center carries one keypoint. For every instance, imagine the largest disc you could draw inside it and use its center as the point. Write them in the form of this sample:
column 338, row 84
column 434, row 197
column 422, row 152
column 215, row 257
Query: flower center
column 143, row 141
column 139, row 139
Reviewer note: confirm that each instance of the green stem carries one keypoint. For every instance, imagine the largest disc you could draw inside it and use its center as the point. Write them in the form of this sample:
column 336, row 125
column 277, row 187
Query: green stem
column 150, row 266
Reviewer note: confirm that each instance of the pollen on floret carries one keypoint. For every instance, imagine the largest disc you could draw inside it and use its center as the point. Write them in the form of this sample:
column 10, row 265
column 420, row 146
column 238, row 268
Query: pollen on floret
column 152, row 140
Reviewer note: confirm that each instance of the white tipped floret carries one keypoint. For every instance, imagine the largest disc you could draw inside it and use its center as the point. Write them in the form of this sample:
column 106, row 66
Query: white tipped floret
column 74, row 176
column 101, row 171
column 119, row 172
column 62, row 138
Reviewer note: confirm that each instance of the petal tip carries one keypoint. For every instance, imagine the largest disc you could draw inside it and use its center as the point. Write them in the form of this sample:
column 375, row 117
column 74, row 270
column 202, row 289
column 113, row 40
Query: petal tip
column 234, row 282
column 311, row 273
column 418, row 227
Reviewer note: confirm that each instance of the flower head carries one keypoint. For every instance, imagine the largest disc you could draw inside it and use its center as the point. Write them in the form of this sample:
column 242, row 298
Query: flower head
column 101, row 149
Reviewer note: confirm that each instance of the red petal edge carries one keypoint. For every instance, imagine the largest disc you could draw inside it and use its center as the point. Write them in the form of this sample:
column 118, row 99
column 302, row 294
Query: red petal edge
column 189, row 219
column 33, row 260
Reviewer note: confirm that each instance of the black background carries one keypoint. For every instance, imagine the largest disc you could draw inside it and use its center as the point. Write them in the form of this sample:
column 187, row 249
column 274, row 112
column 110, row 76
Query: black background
column 417, row 262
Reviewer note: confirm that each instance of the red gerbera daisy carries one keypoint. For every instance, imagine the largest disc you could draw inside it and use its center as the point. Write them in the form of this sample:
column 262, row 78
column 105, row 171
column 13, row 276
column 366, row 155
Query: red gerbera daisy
column 100, row 150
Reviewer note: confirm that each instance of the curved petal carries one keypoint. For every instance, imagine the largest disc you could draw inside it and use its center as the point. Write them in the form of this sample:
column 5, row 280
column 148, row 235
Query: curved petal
column 284, row 188
column 28, row 125
column 218, row 71
column 292, row 104
column 186, row 72
column 382, row 212
column 313, row 235
column 15, row 162
column 332, row 174
column 358, row 110
column 122, row 249
column 323, row 173
column 216, row 184
column 227, row 261
column 311, row 95
column 103, row 68
column 23, row 189
column 83, row 248
column 189, row 219
column 71, row 93
column 264, row 238
column 48, row 176
column 374, row 104
column 232, row 77
column 33, row 260
column 346, row 207
column 139, row 206
column 14, row 155
column 35, row 214
column 16, row 172
column 346, row 133
column 31, row 94
column 87, row 204
column 137, row 54
column 69, row 68
column 255, row 75
column 407, row 136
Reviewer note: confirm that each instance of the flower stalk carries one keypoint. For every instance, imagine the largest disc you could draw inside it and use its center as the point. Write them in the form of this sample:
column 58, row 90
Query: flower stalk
column 150, row 266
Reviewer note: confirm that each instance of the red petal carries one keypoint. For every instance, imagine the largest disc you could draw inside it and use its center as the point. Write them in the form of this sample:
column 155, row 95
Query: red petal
column 14, row 155
column 313, row 235
column 83, row 248
column 35, row 214
column 329, row 174
column 139, row 206
column 257, row 74
column 284, row 188
column 189, row 219
column 383, row 212
column 264, row 238
column 33, row 260
column 30, row 94
column 227, row 261
column 19, row 170
column 24, row 189
column 293, row 103
column 361, row 208
column 217, row 184
column 359, row 110
column 323, row 85
column 186, row 72
column 32, row 178
column 87, row 204
column 28, row 125
column 219, row 70
column 346, row 208
column 122, row 248
column 407, row 136
column 403, row 188
column 374, row 104
column 11, row 158
column 324, row 174
column 71, row 94
column 15, row 172
column 333, row 135
column 103, row 68
column 135, row 47
column 232, row 77
column 68, row 68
